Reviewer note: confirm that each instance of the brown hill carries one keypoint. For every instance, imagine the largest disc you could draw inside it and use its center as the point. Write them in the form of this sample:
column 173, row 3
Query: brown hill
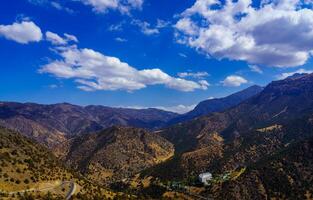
column 117, row 153
column 26, row 165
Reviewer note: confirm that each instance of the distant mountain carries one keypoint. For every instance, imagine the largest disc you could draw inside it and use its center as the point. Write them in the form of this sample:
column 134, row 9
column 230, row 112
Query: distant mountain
column 54, row 124
column 116, row 153
column 217, row 105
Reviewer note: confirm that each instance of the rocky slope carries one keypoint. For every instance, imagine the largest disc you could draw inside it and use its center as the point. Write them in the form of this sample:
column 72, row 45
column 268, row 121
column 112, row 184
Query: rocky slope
column 54, row 124
column 116, row 153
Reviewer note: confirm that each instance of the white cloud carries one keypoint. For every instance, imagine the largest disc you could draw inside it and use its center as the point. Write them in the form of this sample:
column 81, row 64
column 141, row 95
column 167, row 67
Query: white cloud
column 187, row 26
column 162, row 24
column 118, row 39
column 181, row 109
column 146, row 27
column 55, row 39
column 278, row 33
column 149, row 29
column 116, row 27
column 124, row 6
column 255, row 68
column 193, row 74
column 299, row 71
column 92, row 70
column 234, row 81
column 58, row 6
column 21, row 32
column 70, row 37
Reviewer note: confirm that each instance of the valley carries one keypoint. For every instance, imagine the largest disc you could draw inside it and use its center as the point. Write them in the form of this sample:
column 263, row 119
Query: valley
column 259, row 148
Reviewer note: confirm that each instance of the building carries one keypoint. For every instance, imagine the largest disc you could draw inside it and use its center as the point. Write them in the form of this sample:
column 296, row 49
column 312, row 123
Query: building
column 205, row 177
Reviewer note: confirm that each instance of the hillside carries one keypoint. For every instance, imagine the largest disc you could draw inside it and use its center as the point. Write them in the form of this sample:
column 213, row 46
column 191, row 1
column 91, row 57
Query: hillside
column 232, row 136
column 285, row 175
column 217, row 104
column 52, row 125
column 28, row 166
column 116, row 153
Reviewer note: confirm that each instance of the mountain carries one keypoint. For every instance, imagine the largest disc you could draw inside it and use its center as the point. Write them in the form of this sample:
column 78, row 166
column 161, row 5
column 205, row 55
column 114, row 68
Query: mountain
column 29, row 169
column 54, row 124
column 284, row 175
column 217, row 105
column 242, row 135
column 116, row 153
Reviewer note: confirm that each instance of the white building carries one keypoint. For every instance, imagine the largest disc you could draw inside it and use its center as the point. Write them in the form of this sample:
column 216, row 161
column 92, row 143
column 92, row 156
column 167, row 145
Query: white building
column 205, row 177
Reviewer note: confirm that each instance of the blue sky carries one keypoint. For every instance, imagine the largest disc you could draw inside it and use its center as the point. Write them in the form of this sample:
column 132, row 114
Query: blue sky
column 148, row 53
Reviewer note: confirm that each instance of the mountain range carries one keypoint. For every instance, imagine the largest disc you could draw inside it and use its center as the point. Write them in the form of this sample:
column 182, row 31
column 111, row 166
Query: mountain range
column 256, row 143
column 53, row 124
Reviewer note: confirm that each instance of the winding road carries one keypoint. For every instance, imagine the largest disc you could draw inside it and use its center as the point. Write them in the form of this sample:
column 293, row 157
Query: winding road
column 67, row 196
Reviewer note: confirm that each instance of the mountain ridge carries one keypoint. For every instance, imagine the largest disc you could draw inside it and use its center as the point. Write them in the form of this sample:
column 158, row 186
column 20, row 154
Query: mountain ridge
column 209, row 106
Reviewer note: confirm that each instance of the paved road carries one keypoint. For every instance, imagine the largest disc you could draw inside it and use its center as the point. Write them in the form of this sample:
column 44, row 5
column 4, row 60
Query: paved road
column 67, row 197
column 72, row 190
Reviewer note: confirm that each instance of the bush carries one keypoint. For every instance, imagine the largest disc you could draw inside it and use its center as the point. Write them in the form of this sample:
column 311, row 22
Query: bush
column 26, row 181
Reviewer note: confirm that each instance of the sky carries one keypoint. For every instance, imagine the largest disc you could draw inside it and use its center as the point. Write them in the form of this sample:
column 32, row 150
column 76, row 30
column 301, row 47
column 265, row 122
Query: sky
column 149, row 53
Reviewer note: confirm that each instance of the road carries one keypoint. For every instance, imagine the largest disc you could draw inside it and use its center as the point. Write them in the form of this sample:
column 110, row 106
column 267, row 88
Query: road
column 67, row 197
column 72, row 190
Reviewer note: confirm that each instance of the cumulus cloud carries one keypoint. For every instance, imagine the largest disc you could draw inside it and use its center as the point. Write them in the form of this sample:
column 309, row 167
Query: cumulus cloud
column 299, row 71
column 55, row 39
column 193, row 74
column 234, row 81
column 124, row 6
column 277, row 33
column 21, row 32
column 92, row 71
column 255, row 68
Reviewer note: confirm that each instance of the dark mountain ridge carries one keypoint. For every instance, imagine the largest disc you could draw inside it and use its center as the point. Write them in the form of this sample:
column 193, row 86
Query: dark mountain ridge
column 218, row 105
